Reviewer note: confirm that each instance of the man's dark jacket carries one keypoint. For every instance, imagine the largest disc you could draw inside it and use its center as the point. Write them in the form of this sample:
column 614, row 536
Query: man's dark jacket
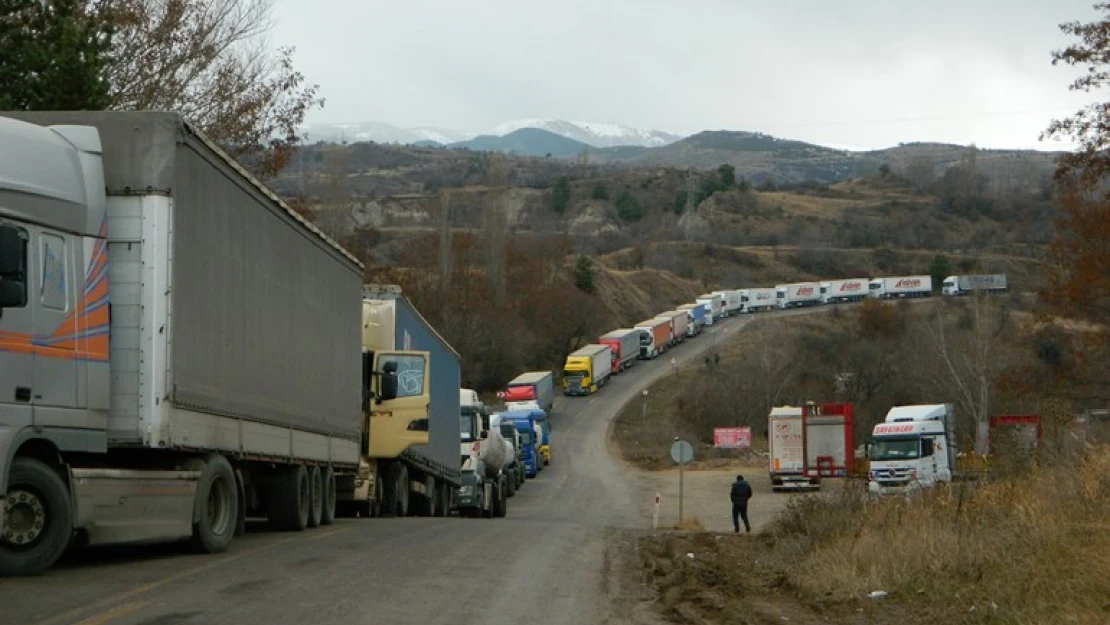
column 741, row 492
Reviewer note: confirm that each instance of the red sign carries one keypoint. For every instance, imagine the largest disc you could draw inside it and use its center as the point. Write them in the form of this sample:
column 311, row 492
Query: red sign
column 518, row 393
column 732, row 438
column 894, row 429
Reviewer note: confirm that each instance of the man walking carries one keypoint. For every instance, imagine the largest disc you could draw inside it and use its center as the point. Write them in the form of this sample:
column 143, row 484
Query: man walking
column 741, row 493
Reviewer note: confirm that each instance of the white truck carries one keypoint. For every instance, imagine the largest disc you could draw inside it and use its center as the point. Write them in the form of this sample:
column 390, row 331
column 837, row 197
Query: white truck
column 786, row 437
column 714, row 306
column 808, row 443
column 900, row 286
column 798, row 294
column 178, row 346
column 850, row 290
column 756, row 300
column 731, row 302
column 914, row 447
column 486, row 483
column 964, row 284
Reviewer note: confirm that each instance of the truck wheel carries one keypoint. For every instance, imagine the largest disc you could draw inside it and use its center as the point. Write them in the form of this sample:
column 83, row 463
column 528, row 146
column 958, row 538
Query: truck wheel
column 500, row 501
column 39, row 522
column 379, row 494
column 315, row 497
column 289, row 500
column 401, row 491
column 215, row 505
column 444, row 499
column 327, row 514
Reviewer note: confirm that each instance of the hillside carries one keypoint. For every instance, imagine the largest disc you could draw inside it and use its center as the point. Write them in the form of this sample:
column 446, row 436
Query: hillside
column 526, row 142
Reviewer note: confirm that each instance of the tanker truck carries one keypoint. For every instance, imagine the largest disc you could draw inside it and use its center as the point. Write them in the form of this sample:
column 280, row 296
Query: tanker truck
column 485, row 484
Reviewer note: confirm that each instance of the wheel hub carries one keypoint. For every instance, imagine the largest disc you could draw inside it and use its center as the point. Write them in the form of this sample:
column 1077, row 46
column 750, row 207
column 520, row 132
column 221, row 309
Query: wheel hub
column 25, row 518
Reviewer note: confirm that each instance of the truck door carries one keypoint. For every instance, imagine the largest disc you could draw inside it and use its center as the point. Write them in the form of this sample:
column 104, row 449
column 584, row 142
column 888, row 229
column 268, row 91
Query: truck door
column 16, row 346
column 53, row 299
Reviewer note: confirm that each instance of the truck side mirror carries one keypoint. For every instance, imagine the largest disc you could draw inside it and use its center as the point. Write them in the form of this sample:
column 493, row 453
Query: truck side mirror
column 13, row 270
column 389, row 384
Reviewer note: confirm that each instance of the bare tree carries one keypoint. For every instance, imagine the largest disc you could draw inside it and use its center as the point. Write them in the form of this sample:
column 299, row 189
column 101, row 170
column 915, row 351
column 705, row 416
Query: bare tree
column 333, row 214
column 209, row 60
column 497, row 180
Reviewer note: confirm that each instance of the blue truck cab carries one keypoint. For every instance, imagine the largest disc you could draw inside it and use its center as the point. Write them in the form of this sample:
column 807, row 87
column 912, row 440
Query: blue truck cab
column 544, row 444
column 525, row 422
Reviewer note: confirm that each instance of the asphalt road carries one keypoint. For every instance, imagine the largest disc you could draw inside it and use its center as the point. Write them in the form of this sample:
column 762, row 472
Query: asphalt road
column 547, row 561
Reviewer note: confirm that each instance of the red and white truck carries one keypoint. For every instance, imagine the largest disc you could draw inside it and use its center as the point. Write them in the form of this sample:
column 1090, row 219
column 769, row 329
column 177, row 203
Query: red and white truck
column 798, row 294
column 655, row 337
column 809, row 442
column 850, row 290
column 625, row 344
column 901, row 286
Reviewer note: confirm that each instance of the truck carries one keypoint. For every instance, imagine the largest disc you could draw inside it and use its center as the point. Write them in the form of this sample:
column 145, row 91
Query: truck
column 808, row 443
column 679, row 321
column 410, row 465
column 515, row 469
column 655, row 337
column 542, row 384
column 587, row 370
column 900, row 286
column 525, row 424
column 714, row 306
column 964, row 284
column 850, row 290
column 485, row 484
column 731, row 300
column 697, row 317
column 543, row 436
column 756, row 300
column 914, row 447
column 798, row 294
column 180, row 348
column 625, row 346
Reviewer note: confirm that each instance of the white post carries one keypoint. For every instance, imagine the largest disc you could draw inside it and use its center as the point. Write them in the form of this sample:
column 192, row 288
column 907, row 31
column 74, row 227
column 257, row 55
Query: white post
column 655, row 514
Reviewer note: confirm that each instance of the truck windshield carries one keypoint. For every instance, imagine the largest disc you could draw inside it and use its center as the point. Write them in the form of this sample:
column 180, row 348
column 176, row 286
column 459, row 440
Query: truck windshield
column 645, row 338
column 465, row 425
column 895, row 448
column 573, row 374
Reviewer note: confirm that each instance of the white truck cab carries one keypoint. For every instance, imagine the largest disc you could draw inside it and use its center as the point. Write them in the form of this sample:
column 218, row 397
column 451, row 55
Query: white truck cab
column 913, row 447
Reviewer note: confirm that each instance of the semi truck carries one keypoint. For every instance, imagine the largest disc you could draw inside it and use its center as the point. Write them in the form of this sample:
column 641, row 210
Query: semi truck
column 696, row 318
column 525, row 424
column 850, row 290
column 731, row 301
column 655, row 337
column 964, row 284
column 914, row 447
column 756, row 300
column 587, row 370
column 798, row 295
column 808, row 443
column 624, row 345
column 180, row 348
column 410, row 465
column 542, row 384
column 679, row 321
column 714, row 306
column 900, row 286
column 484, row 483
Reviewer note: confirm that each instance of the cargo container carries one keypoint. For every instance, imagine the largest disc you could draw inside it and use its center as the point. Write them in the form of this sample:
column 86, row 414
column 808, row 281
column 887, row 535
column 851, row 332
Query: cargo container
column 655, row 337
column 850, row 290
column 731, row 300
column 809, row 442
column 901, row 286
column 625, row 345
column 679, row 321
column 542, row 384
column 181, row 348
column 964, row 284
column 714, row 306
column 798, row 294
column 587, row 370
column 756, row 300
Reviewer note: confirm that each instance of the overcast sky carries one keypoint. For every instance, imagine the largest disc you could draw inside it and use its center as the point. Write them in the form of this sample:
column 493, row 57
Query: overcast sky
column 853, row 73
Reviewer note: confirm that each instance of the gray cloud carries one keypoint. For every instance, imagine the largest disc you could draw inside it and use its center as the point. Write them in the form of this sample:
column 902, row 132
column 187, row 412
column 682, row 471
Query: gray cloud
column 842, row 72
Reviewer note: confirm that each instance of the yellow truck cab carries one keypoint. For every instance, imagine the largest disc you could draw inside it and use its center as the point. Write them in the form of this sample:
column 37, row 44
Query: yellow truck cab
column 587, row 370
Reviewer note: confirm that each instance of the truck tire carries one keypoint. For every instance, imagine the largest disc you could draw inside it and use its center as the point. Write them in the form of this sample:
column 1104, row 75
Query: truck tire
column 215, row 505
column 315, row 496
column 444, row 499
column 397, row 501
column 289, row 500
column 327, row 514
column 379, row 495
column 510, row 485
column 500, row 501
column 39, row 523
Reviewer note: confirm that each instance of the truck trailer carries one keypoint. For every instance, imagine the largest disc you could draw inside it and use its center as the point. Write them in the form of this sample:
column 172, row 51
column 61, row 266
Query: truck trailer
column 808, row 443
column 182, row 348
column 714, row 306
column 679, row 321
column 625, row 345
column 697, row 317
column 850, row 290
column 964, row 284
column 587, row 370
column 731, row 301
column 798, row 294
column 900, row 286
column 655, row 337
column 756, row 300
column 542, row 384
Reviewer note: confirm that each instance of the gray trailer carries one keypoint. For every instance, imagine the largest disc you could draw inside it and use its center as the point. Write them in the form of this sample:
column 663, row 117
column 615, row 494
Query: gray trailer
column 964, row 284
column 184, row 348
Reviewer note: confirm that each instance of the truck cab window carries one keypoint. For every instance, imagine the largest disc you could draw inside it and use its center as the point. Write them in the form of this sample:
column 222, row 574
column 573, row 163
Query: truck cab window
column 13, row 267
column 408, row 372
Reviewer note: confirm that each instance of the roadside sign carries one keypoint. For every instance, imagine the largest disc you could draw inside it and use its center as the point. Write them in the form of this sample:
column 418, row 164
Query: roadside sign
column 682, row 452
column 732, row 438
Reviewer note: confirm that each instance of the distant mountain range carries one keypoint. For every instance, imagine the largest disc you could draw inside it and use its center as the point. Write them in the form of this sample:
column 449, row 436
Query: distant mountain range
column 596, row 135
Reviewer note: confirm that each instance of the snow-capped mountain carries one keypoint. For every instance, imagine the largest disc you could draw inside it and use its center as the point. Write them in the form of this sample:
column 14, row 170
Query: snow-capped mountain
column 379, row 132
column 599, row 135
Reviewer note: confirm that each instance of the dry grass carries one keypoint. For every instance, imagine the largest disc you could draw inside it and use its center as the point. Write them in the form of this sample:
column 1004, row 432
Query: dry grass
column 1030, row 549
column 692, row 524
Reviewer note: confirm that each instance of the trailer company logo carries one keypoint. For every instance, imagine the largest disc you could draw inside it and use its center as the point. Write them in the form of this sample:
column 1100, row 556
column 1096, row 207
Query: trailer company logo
column 759, row 296
column 894, row 429
column 907, row 282
column 851, row 286
column 805, row 290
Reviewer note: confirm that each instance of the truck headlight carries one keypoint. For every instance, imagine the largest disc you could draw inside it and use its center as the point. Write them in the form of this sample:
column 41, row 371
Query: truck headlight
column 466, row 491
